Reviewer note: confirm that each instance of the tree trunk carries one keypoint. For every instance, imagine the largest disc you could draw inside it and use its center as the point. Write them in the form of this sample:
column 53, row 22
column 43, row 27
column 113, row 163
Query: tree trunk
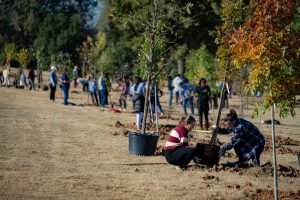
column 180, row 66
column 146, row 104
column 83, row 69
column 156, row 112
column 274, row 155
column 215, row 132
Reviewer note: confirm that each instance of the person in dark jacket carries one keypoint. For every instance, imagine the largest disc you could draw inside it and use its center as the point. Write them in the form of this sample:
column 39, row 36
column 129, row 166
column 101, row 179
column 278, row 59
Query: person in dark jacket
column 177, row 149
column 138, row 98
column 202, row 93
column 65, row 86
column 170, row 90
column 247, row 140
column 31, row 77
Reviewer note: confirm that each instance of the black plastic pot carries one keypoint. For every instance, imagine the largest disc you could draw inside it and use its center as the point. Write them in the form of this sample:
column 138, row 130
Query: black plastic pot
column 298, row 158
column 142, row 144
column 208, row 154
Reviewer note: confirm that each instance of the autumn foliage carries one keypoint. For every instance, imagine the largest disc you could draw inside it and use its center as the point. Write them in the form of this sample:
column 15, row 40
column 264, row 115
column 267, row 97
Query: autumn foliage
column 267, row 42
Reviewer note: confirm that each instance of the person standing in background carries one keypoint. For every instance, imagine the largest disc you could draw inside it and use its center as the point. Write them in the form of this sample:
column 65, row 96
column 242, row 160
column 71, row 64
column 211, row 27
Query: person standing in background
column 154, row 95
column 65, row 86
column 93, row 89
column 123, row 93
column 186, row 97
column 6, row 74
column 108, row 87
column 170, row 89
column 22, row 80
column 103, row 90
column 176, row 81
column 75, row 76
column 31, row 77
column 52, row 83
column 138, row 98
column 202, row 93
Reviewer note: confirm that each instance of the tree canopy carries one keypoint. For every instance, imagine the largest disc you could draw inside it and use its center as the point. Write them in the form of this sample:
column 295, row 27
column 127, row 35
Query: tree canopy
column 46, row 26
column 268, row 40
column 192, row 25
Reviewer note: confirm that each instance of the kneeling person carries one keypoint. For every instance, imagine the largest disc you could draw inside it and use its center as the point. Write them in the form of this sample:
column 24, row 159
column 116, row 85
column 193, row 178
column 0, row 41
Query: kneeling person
column 247, row 141
column 177, row 151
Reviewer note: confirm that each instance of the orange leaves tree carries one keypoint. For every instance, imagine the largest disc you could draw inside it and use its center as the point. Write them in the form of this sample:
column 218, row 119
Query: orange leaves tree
column 268, row 41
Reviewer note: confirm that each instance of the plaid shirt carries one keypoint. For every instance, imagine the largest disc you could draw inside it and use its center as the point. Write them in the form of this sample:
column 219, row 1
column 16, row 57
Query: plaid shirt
column 246, row 139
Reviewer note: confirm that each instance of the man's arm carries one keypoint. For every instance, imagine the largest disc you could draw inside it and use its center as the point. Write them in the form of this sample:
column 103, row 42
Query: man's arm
column 234, row 140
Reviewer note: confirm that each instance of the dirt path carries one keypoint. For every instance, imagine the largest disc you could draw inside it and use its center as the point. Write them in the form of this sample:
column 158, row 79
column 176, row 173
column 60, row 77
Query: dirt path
column 52, row 151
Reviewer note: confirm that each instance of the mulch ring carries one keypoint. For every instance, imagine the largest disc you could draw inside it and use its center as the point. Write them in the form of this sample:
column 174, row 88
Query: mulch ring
column 247, row 169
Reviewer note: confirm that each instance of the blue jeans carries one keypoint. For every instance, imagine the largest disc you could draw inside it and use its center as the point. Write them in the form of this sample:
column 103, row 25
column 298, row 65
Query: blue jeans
column 170, row 94
column 152, row 101
column 31, row 84
column 66, row 94
column 103, row 97
column 190, row 101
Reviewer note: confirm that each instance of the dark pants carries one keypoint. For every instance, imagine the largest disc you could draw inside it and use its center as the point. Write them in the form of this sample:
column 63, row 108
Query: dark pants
column 181, row 156
column 31, row 84
column 203, row 110
column 122, row 101
column 176, row 97
column 255, row 160
column 94, row 97
column 52, row 92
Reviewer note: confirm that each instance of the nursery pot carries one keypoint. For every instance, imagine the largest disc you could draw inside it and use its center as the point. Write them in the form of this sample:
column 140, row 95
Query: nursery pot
column 142, row 144
column 208, row 154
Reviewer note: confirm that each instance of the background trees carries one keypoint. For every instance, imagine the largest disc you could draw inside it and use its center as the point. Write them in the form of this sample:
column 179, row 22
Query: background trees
column 192, row 26
column 49, row 27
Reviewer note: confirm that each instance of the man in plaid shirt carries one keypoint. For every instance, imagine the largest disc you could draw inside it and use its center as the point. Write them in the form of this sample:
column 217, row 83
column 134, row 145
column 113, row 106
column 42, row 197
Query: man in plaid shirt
column 247, row 140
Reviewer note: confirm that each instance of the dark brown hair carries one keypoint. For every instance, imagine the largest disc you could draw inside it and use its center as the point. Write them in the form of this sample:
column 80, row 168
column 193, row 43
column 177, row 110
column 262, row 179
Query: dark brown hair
column 187, row 120
column 231, row 116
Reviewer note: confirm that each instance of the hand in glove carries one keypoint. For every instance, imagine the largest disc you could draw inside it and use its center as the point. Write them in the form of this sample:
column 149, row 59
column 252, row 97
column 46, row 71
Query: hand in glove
column 221, row 152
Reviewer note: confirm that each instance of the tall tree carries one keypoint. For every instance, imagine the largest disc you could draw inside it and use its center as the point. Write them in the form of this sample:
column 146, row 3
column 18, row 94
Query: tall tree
column 269, row 39
column 59, row 33
column 191, row 26
column 21, row 23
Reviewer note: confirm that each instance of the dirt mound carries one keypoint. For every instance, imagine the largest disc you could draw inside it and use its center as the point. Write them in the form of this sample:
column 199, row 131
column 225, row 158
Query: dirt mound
column 247, row 169
column 265, row 194
column 280, row 140
column 281, row 149
column 170, row 117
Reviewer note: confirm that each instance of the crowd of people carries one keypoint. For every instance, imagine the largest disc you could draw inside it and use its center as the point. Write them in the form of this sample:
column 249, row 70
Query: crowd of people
column 247, row 140
column 186, row 95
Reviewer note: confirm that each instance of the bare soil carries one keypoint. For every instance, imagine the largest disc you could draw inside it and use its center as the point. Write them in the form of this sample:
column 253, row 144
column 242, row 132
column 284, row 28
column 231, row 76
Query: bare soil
column 52, row 151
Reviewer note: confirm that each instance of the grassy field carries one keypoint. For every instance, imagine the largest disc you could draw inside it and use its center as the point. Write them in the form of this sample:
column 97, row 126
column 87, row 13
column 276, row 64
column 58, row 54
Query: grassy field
column 52, row 151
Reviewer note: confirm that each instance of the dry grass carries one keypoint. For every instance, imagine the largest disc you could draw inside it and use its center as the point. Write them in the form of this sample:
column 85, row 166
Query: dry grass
column 51, row 151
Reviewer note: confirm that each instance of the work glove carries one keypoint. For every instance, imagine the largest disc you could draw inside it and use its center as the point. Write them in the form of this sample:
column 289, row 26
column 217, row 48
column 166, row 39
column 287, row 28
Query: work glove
column 214, row 128
column 221, row 152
